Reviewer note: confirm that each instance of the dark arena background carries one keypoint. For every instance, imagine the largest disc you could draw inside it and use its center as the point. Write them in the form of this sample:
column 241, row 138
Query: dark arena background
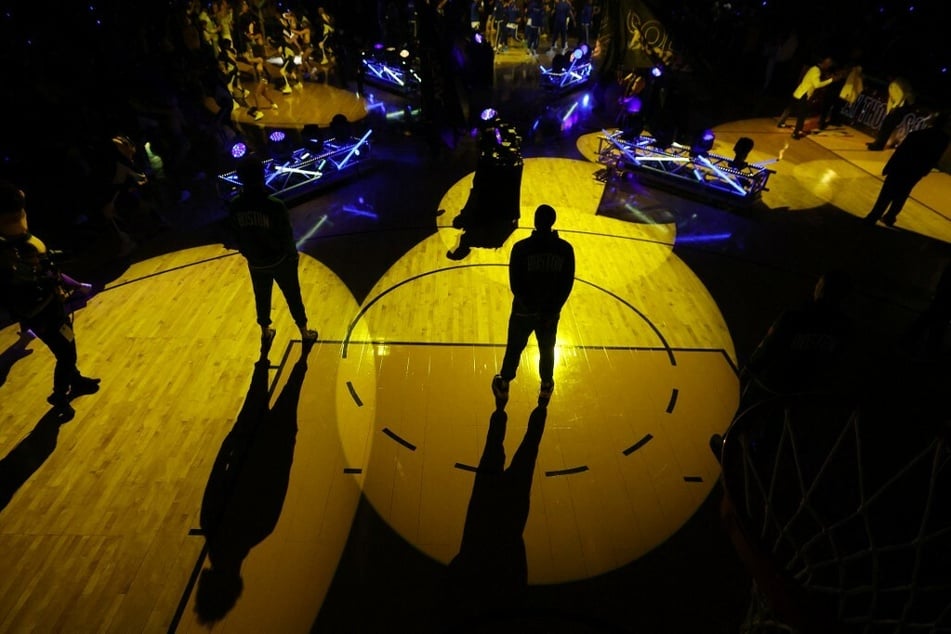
column 749, row 426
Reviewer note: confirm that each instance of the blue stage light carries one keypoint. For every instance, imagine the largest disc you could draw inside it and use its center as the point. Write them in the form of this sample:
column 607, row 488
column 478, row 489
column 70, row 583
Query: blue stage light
column 488, row 114
column 238, row 150
column 277, row 136
column 657, row 71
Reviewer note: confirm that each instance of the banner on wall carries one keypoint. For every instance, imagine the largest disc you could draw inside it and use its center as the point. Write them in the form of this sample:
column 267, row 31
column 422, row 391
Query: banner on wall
column 633, row 36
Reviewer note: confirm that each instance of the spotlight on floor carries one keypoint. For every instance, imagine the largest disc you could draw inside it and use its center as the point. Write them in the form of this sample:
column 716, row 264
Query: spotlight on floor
column 741, row 150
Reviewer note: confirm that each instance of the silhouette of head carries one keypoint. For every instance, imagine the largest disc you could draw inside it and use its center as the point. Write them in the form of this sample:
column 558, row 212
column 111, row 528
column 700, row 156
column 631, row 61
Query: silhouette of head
column 544, row 218
column 251, row 172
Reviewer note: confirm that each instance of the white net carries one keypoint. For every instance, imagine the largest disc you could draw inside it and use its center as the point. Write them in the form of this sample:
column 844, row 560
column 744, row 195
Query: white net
column 846, row 514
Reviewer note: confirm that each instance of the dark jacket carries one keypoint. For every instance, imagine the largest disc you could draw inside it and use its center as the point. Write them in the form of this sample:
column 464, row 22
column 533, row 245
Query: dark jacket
column 263, row 229
column 918, row 154
column 541, row 273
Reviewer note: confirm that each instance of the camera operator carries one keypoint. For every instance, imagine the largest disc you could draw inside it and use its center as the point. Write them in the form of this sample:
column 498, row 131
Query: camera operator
column 35, row 293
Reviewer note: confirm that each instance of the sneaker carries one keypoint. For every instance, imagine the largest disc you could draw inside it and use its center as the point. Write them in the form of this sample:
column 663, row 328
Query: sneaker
column 546, row 389
column 309, row 336
column 258, row 115
column 286, row 90
column 273, row 106
column 500, row 387
column 83, row 385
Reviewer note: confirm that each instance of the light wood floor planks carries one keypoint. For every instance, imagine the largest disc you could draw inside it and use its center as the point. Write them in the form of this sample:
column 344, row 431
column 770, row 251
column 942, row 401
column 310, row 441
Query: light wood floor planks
column 96, row 534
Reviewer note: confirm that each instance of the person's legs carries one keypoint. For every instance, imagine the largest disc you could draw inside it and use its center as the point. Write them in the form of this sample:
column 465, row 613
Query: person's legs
column 53, row 328
column 545, row 333
column 791, row 109
column 262, row 281
column 882, row 202
column 288, row 281
column 520, row 327
column 900, row 193
column 801, row 110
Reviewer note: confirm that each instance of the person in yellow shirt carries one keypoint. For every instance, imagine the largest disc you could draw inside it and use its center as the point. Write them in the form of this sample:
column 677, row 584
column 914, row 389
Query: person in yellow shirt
column 807, row 87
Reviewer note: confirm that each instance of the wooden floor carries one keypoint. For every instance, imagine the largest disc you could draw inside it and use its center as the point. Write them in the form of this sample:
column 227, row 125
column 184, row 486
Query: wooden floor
column 101, row 516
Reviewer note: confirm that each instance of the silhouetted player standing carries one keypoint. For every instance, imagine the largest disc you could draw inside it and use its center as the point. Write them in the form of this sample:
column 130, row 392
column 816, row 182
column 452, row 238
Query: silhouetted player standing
column 541, row 273
column 266, row 240
column 917, row 155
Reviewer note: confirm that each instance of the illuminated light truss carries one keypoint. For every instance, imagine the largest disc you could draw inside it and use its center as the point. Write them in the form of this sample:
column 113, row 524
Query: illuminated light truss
column 399, row 76
column 575, row 76
column 709, row 175
column 305, row 171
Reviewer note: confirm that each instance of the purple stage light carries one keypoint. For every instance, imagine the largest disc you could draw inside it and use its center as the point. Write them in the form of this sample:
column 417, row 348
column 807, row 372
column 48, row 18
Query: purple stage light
column 488, row 114
column 378, row 46
column 277, row 136
column 586, row 100
column 708, row 135
column 657, row 71
column 238, row 150
column 478, row 38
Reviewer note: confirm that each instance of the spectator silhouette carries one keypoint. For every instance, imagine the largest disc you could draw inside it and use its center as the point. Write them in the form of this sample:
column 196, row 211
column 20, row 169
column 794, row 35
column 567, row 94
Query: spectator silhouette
column 34, row 292
column 917, row 155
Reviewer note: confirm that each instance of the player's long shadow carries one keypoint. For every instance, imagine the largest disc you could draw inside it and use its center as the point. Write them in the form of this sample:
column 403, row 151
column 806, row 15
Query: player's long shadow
column 246, row 490
column 489, row 576
column 30, row 453
column 16, row 351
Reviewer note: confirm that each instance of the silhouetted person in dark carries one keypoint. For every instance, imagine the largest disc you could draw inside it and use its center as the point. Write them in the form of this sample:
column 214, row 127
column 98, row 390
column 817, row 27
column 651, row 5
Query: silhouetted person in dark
column 804, row 347
column 490, row 572
column 541, row 274
column 266, row 240
column 917, row 155
column 34, row 292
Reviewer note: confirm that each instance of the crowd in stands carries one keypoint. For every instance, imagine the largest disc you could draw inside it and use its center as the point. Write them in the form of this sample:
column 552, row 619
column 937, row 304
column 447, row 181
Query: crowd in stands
column 137, row 105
